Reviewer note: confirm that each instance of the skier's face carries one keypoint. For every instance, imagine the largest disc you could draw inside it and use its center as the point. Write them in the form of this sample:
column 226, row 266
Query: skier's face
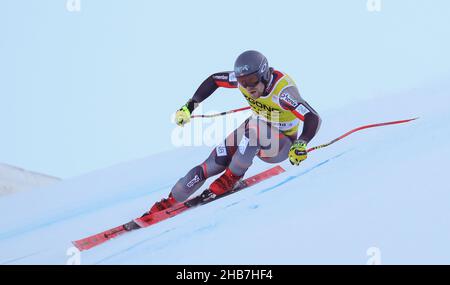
column 252, row 84
column 256, row 91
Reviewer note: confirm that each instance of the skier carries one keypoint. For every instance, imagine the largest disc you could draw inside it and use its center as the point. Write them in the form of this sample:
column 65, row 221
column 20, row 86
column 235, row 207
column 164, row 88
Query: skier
column 271, row 132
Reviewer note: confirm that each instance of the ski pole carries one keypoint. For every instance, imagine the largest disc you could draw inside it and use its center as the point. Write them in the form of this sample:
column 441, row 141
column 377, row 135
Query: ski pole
column 358, row 129
column 322, row 145
column 221, row 114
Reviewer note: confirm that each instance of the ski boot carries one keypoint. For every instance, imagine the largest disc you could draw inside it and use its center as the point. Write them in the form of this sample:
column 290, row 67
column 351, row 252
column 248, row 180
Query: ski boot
column 162, row 205
column 225, row 183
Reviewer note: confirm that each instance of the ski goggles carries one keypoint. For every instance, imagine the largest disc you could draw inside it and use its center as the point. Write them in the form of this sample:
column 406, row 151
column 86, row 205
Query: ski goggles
column 250, row 80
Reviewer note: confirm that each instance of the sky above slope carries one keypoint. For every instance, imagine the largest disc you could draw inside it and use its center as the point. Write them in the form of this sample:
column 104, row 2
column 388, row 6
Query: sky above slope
column 84, row 90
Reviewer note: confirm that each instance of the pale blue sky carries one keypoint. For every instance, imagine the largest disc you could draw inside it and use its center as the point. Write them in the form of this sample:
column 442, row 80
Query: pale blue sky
column 82, row 91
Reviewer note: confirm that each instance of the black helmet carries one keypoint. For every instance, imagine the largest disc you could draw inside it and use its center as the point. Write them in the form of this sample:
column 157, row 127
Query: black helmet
column 250, row 62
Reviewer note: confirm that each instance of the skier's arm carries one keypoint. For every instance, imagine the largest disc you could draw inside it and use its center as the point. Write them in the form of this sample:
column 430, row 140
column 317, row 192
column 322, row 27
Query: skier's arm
column 216, row 80
column 290, row 99
column 221, row 79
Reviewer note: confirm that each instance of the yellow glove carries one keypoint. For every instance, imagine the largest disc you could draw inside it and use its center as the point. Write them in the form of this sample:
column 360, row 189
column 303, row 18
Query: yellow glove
column 297, row 152
column 182, row 116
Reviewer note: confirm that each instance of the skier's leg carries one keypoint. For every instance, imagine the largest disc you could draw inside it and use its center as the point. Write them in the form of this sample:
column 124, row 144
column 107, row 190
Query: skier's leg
column 217, row 162
column 247, row 148
column 276, row 156
column 262, row 140
column 257, row 135
column 197, row 176
column 193, row 180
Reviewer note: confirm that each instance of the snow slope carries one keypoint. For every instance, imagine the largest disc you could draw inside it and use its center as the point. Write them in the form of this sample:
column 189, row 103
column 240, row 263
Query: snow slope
column 385, row 188
column 13, row 179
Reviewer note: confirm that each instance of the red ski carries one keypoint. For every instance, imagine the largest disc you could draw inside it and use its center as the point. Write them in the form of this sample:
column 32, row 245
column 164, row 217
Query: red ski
column 148, row 220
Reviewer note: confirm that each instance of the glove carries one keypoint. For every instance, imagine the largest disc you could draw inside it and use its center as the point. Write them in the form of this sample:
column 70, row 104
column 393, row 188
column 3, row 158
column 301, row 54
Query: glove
column 297, row 152
column 182, row 116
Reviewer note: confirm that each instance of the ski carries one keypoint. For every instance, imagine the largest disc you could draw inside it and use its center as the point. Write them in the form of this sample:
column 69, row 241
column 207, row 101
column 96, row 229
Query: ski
column 150, row 219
